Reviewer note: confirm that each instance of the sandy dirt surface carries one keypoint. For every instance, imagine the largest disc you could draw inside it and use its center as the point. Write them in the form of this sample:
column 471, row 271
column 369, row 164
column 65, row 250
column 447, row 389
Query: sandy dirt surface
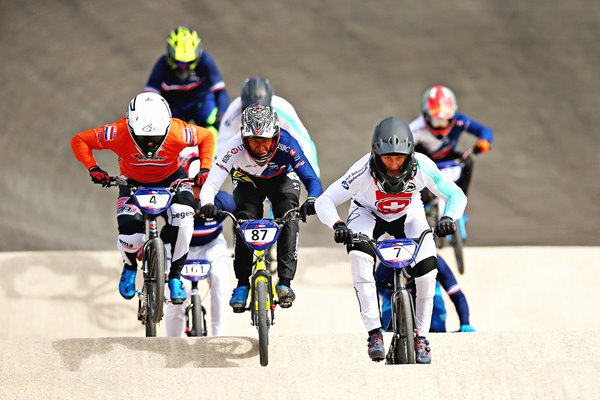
column 65, row 331
column 526, row 69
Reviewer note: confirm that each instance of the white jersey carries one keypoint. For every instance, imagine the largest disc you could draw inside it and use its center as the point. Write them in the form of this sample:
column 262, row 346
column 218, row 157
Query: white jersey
column 423, row 137
column 359, row 185
column 288, row 119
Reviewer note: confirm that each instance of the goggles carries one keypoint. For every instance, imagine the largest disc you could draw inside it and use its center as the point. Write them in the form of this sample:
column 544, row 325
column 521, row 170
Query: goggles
column 438, row 123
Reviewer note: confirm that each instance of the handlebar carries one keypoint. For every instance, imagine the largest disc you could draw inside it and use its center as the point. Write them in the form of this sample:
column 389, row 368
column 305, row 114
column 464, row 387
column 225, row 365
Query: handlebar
column 290, row 215
column 118, row 181
column 361, row 237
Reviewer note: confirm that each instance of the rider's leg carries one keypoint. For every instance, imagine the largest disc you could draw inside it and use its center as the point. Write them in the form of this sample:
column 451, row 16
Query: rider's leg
column 130, row 239
column 175, row 313
column 284, row 193
column 248, row 205
column 438, row 317
column 219, row 279
column 467, row 173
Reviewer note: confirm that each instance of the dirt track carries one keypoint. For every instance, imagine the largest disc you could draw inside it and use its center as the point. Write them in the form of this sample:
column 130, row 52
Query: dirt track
column 526, row 69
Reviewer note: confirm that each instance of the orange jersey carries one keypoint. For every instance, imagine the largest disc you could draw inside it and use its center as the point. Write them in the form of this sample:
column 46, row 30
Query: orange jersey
column 132, row 162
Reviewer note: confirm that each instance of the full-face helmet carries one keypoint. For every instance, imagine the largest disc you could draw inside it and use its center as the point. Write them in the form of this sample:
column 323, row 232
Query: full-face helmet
column 439, row 110
column 392, row 137
column 148, row 119
column 256, row 90
column 184, row 48
column 260, row 122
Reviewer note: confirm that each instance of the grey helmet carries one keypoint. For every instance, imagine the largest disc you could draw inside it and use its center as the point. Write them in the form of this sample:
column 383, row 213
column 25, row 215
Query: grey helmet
column 392, row 136
column 256, row 90
column 260, row 122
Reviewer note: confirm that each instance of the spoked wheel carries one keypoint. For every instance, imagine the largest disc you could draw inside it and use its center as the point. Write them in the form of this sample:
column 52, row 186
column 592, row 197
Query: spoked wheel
column 403, row 351
column 457, row 244
column 263, row 326
column 198, row 317
column 154, row 284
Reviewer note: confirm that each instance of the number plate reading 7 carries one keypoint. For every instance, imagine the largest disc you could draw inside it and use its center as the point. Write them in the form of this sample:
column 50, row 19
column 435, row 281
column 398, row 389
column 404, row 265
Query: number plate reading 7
column 398, row 253
column 260, row 236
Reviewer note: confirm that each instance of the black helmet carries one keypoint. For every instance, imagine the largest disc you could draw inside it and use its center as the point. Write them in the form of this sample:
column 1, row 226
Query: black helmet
column 256, row 90
column 392, row 137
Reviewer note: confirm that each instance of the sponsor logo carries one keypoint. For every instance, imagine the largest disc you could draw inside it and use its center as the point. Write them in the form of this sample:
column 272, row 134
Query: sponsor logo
column 301, row 163
column 181, row 215
column 125, row 244
column 392, row 203
column 345, row 185
column 352, row 176
column 128, row 209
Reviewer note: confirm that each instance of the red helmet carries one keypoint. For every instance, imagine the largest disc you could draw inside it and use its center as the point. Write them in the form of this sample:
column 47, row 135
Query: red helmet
column 439, row 110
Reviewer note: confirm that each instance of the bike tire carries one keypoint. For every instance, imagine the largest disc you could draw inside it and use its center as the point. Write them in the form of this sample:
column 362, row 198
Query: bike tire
column 155, row 280
column 405, row 347
column 198, row 328
column 263, row 327
column 457, row 244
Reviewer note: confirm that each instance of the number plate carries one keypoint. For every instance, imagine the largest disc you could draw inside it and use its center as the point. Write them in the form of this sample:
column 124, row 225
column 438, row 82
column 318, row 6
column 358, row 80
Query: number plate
column 153, row 199
column 451, row 173
column 260, row 234
column 398, row 252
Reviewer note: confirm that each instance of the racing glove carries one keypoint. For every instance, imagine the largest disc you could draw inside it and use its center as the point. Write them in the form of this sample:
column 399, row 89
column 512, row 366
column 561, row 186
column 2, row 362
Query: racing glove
column 445, row 227
column 209, row 211
column 482, row 146
column 308, row 208
column 99, row 176
column 342, row 233
column 201, row 176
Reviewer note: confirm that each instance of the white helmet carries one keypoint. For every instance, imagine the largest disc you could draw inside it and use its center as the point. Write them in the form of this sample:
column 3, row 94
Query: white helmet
column 148, row 119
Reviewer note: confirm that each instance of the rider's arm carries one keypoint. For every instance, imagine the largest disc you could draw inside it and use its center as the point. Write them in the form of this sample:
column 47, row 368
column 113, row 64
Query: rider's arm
column 302, row 166
column 223, row 165
column 342, row 190
column 206, row 147
column 84, row 142
column 442, row 187
column 156, row 76
column 217, row 85
column 230, row 124
column 475, row 128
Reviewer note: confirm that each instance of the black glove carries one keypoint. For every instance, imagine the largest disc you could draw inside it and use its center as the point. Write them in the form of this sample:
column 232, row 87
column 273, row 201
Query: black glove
column 99, row 176
column 342, row 233
column 201, row 176
column 445, row 227
column 209, row 211
column 308, row 208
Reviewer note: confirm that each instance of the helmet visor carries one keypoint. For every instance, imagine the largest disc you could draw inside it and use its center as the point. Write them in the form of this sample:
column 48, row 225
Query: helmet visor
column 439, row 123
column 149, row 144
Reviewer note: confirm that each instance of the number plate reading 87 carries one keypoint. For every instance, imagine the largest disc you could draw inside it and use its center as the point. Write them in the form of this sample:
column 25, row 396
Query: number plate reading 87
column 259, row 234
column 398, row 253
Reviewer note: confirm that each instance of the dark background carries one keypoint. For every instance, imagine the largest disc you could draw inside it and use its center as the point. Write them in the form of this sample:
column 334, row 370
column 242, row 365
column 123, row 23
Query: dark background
column 529, row 70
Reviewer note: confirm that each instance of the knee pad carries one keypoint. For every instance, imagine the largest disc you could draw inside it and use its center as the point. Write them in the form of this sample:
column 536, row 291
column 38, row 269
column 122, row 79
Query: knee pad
column 180, row 215
column 425, row 266
column 130, row 243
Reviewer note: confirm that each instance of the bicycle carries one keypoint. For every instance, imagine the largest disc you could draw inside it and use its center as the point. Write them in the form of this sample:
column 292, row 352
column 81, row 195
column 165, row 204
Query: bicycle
column 259, row 235
column 452, row 170
column 195, row 313
column 398, row 254
column 152, row 202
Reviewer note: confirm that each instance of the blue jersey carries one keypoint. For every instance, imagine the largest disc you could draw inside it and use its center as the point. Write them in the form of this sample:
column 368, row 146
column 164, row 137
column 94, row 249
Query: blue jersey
column 206, row 230
column 184, row 95
column 438, row 148
column 233, row 158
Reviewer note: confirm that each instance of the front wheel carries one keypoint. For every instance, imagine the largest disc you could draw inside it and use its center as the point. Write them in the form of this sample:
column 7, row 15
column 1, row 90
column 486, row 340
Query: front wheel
column 198, row 319
column 154, row 283
column 263, row 327
column 404, row 349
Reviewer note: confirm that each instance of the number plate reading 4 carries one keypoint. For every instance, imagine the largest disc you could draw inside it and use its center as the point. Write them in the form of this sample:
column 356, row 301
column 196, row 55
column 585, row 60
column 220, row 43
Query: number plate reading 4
column 260, row 236
column 153, row 200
